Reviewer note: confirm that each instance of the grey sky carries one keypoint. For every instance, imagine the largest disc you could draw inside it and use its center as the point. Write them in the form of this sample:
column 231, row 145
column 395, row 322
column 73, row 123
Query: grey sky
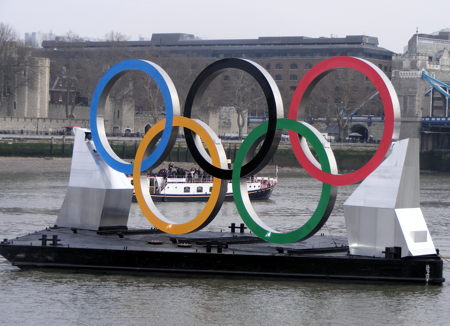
column 393, row 22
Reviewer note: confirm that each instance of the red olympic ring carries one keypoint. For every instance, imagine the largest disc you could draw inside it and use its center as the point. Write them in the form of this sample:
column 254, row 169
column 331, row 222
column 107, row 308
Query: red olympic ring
column 391, row 108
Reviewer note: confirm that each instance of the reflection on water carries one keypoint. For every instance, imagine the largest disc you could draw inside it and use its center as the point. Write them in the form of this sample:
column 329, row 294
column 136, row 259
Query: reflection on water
column 32, row 190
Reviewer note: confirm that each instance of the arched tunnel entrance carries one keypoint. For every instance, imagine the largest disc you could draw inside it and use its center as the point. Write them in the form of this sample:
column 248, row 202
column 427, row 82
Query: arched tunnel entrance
column 359, row 132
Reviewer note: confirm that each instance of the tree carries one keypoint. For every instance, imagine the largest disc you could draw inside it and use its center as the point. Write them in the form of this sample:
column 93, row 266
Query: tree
column 68, row 83
column 339, row 95
column 116, row 37
column 243, row 94
column 17, row 68
column 72, row 37
column 8, row 50
column 147, row 94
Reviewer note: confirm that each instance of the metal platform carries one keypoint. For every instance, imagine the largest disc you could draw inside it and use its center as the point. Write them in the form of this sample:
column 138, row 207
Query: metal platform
column 214, row 253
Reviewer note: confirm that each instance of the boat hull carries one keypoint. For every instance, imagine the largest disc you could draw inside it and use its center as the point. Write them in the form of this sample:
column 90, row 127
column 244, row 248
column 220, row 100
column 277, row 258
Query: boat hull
column 220, row 253
column 260, row 194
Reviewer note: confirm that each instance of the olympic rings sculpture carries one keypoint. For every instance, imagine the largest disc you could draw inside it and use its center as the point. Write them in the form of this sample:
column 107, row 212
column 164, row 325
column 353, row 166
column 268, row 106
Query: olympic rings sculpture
column 215, row 163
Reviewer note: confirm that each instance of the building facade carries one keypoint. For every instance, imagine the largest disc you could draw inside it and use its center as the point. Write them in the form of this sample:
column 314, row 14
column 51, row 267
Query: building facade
column 425, row 53
column 287, row 59
column 28, row 89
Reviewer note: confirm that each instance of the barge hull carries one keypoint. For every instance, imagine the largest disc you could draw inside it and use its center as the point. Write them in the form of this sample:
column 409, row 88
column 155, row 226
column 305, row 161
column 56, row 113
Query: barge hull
column 255, row 260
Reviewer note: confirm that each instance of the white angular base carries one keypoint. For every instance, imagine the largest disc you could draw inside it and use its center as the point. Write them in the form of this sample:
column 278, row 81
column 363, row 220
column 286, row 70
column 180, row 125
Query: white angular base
column 97, row 196
column 374, row 229
column 383, row 212
column 417, row 238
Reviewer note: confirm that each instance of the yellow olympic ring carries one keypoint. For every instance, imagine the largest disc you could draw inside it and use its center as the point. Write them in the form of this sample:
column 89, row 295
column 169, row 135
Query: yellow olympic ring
column 218, row 158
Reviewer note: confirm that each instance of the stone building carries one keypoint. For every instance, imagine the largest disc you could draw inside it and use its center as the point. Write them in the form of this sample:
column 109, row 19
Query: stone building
column 28, row 91
column 425, row 53
column 120, row 112
column 184, row 55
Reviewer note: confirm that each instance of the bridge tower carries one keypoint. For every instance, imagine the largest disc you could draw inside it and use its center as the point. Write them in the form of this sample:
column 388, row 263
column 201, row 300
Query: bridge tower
column 425, row 53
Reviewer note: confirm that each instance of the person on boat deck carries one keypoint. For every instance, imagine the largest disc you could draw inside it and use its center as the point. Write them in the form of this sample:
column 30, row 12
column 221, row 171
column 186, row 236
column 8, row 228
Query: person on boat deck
column 191, row 174
column 170, row 168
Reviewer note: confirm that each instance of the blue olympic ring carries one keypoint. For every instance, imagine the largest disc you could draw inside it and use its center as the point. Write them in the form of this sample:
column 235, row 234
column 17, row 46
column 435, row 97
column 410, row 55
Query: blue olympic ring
column 105, row 84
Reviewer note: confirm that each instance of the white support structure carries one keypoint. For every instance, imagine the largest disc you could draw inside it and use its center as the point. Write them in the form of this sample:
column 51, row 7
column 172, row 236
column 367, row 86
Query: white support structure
column 384, row 211
column 98, row 197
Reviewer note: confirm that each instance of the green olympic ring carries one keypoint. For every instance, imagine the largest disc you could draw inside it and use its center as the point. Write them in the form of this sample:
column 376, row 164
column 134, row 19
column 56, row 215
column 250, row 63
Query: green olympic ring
column 242, row 200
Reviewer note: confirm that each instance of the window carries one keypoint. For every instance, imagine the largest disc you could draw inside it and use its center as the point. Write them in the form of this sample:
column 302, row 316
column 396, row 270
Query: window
column 200, row 189
column 187, row 189
column 268, row 66
column 293, row 77
column 279, row 66
column 278, row 77
column 293, row 66
column 308, row 66
column 210, row 189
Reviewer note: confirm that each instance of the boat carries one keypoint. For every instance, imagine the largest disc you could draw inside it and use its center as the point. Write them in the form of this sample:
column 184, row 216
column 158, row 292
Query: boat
column 177, row 184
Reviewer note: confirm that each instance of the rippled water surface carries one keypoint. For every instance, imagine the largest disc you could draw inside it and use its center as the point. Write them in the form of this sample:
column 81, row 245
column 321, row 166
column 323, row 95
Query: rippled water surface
column 32, row 191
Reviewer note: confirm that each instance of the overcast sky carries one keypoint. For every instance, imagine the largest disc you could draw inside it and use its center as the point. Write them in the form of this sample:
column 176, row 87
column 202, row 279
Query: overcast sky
column 393, row 22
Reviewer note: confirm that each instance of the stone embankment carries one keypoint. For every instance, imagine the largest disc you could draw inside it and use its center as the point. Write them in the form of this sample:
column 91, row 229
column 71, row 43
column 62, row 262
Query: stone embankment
column 349, row 156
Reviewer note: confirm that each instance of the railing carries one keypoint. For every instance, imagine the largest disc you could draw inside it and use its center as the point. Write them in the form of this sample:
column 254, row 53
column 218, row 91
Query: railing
column 409, row 74
column 432, row 40
column 436, row 120
column 364, row 118
column 195, row 179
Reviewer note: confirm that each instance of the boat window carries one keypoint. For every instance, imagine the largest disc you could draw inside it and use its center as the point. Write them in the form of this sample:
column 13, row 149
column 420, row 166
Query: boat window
column 210, row 189
column 187, row 189
column 199, row 189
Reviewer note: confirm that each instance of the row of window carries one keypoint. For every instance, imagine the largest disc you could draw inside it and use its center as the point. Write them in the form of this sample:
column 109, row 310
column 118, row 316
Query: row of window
column 293, row 77
column 199, row 189
column 279, row 66
column 308, row 54
column 187, row 189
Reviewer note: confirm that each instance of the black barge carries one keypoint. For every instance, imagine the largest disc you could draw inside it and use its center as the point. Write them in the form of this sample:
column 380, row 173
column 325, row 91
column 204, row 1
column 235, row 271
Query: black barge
column 203, row 253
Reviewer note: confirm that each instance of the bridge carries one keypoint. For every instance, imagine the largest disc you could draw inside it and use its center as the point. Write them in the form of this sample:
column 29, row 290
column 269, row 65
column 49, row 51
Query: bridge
column 441, row 88
column 367, row 125
column 429, row 123
column 436, row 125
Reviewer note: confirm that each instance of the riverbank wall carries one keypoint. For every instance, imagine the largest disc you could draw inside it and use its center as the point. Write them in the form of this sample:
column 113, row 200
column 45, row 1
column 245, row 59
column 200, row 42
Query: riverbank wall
column 348, row 156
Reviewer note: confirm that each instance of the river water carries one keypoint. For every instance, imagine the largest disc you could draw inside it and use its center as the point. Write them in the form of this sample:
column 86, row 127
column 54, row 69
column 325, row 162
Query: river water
column 32, row 191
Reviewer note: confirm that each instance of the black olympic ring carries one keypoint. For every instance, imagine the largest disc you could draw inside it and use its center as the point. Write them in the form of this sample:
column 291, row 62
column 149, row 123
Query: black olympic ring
column 275, row 110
